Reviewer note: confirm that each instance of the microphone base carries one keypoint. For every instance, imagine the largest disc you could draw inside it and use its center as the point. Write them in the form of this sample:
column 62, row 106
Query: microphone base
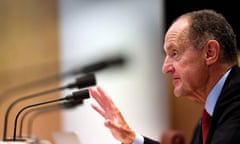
column 20, row 141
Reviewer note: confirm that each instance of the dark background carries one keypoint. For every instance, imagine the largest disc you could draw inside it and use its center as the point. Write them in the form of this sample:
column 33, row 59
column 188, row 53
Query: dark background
column 229, row 9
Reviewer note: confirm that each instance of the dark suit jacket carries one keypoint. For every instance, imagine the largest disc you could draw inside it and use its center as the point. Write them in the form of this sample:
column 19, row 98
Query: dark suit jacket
column 225, row 122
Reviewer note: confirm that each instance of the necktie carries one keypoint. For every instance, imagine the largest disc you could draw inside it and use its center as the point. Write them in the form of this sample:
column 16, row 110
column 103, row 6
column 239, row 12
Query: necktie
column 205, row 124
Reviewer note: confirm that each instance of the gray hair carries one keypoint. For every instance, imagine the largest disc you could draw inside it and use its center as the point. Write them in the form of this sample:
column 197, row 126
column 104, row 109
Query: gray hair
column 208, row 24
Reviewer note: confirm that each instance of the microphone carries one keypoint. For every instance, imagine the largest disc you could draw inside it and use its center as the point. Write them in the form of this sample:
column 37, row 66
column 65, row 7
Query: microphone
column 102, row 64
column 78, row 95
column 81, row 82
column 92, row 67
column 42, row 110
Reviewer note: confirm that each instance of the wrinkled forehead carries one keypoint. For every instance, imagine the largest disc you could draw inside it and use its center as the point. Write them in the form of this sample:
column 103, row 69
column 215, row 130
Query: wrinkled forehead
column 177, row 34
column 179, row 27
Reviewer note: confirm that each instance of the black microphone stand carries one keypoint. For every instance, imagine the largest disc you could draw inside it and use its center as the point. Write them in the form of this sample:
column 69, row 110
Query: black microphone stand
column 43, row 110
column 81, row 82
column 75, row 95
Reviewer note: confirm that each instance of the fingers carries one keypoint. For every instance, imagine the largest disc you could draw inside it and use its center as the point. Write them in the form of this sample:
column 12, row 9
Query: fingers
column 105, row 102
column 113, row 117
column 107, row 108
column 104, row 97
column 100, row 111
column 101, row 97
column 102, row 93
column 94, row 94
column 97, row 97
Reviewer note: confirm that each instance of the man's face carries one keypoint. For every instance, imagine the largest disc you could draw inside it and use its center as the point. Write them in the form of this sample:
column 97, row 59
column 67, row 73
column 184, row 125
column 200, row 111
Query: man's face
column 186, row 65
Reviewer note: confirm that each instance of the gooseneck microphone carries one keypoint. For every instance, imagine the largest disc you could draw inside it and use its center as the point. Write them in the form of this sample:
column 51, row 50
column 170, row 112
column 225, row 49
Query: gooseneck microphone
column 43, row 110
column 81, row 82
column 78, row 95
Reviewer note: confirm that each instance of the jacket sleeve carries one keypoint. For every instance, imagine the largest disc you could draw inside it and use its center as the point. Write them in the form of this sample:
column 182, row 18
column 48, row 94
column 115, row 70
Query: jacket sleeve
column 150, row 141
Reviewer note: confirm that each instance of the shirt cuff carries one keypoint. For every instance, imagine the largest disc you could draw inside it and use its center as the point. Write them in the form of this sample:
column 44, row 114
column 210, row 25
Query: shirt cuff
column 138, row 139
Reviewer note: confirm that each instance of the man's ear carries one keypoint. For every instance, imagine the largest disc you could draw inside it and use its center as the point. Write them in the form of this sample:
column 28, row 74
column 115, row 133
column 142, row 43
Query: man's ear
column 212, row 49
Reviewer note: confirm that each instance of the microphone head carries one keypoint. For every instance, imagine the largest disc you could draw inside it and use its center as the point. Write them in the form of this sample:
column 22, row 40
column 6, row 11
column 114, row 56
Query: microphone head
column 72, row 103
column 100, row 65
column 78, row 95
column 86, row 81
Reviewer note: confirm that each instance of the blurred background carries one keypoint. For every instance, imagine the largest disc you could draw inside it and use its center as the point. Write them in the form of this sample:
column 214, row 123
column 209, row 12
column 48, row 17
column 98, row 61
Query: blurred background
column 40, row 40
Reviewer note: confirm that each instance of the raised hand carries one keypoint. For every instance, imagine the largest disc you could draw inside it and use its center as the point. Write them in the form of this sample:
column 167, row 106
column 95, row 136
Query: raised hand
column 114, row 119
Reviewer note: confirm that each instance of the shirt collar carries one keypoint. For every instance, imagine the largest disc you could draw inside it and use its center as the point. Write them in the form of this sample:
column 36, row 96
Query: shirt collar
column 214, row 94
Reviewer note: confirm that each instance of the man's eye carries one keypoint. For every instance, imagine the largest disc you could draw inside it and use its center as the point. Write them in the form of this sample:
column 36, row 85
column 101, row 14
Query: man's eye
column 174, row 53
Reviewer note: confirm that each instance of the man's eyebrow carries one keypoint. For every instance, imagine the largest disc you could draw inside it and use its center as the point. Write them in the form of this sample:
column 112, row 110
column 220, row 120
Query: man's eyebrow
column 170, row 47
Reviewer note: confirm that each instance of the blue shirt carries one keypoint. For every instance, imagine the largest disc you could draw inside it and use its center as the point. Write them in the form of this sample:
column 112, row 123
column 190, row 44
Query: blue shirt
column 214, row 94
column 209, row 106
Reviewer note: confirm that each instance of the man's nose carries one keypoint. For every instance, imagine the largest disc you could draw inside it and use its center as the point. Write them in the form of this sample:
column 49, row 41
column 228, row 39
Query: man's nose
column 167, row 67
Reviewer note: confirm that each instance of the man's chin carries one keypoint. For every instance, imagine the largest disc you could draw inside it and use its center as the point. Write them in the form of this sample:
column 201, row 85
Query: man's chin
column 177, row 93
